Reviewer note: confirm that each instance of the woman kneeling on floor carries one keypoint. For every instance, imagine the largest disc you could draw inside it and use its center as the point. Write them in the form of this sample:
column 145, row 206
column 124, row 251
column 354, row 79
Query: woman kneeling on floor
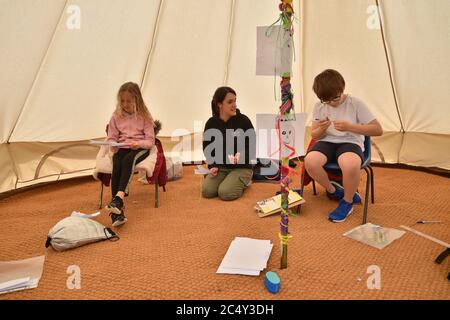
column 229, row 145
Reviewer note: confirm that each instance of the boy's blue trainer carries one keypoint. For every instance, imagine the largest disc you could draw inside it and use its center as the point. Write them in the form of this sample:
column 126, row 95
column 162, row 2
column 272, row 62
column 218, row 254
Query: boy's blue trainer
column 341, row 213
column 339, row 193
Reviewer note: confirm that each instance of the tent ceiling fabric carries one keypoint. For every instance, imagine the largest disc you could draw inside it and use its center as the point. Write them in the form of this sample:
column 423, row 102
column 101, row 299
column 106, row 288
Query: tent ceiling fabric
column 256, row 94
column 21, row 52
column 188, row 62
column 341, row 40
column 418, row 34
column 59, row 84
column 198, row 46
column 6, row 170
column 83, row 69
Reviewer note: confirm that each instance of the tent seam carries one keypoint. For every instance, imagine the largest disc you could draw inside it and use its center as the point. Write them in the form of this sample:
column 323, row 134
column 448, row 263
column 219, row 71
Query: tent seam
column 301, row 62
column 153, row 43
column 230, row 42
column 388, row 61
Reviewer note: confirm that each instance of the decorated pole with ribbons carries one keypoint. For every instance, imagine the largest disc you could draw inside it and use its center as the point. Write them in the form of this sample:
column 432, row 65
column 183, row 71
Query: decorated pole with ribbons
column 286, row 113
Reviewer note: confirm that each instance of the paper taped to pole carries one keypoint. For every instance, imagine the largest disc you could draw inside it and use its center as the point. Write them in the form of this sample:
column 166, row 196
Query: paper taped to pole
column 292, row 134
column 274, row 51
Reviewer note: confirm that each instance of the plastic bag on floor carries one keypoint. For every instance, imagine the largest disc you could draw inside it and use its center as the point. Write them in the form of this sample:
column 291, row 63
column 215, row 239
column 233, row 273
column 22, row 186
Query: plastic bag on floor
column 174, row 167
column 73, row 232
column 374, row 235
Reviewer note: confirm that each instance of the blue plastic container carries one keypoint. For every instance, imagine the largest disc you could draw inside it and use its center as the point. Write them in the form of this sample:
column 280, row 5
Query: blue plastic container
column 272, row 282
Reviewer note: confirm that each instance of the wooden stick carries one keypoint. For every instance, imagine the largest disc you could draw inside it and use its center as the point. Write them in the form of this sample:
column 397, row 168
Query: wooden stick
column 442, row 243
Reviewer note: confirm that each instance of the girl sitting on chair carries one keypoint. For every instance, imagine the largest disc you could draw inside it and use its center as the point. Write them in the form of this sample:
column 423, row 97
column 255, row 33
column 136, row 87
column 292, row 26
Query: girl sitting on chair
column 131, row 125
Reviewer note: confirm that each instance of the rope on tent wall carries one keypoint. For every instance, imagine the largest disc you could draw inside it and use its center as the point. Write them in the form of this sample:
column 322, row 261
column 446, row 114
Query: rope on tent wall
column 39, row 70
column 388, row 60
column 153, row 43
column 380, row 154
column 47, row 155
column 58, row 175
column 230, row 42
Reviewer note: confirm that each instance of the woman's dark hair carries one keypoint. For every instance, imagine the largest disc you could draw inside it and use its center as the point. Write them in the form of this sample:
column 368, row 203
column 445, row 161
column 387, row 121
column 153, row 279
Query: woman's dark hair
column 328, row 84
column 218, row 97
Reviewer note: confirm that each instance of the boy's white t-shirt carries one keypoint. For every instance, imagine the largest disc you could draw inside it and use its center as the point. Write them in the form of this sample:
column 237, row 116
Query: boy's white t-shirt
column 352, row 110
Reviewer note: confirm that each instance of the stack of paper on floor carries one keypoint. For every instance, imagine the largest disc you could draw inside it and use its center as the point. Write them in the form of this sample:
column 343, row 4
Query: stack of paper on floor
column 273, row 205
column 21, row 274
column 246, row 256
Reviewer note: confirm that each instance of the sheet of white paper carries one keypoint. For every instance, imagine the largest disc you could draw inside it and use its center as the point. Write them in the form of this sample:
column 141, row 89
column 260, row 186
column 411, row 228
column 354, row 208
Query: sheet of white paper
column 374, row 236
column 292, row 134
column 274, row 51
column 85, row 215
column 16, row 271
column 13, row 284
column 201, row 170
column 30, row 285
column 245, row 253
column 265, row 245
column 245, row 272
column 108, row 143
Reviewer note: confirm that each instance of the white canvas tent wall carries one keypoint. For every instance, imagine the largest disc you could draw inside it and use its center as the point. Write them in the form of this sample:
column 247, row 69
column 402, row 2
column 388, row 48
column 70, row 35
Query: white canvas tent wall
column 58, row 84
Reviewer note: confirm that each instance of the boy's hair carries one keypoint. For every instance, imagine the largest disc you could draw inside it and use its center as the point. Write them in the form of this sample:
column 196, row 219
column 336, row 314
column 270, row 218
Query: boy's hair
column 139, row 108
column 328, row 84
column 218, row 97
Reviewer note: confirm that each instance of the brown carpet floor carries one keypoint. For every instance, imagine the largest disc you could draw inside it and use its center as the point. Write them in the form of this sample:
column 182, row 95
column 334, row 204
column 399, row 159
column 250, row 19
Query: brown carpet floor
column 173, row 252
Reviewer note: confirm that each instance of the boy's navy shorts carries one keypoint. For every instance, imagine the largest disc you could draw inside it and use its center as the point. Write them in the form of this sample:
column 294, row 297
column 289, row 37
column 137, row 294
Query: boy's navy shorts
column 333, row 150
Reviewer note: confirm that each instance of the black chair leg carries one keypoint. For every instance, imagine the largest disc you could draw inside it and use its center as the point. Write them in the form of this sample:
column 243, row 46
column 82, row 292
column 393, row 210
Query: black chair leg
column 302, row 187
column 314, row 187
column 442, row 256
column 164, row 188
column 366, row 198
column 372, row 188
column 156, row 193
column 100, row 201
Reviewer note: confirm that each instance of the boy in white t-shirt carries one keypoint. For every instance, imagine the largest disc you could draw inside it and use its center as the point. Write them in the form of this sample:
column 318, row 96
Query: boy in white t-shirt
column 339, row 125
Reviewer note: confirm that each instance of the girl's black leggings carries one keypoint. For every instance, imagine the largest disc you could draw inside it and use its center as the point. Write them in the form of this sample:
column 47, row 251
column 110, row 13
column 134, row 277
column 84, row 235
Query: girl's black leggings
column 124, row 162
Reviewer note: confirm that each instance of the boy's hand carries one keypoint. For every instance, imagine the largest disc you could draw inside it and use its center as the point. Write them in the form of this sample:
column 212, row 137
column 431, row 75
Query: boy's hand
column 342, row 125
column 213, row 171
column 324, row 124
